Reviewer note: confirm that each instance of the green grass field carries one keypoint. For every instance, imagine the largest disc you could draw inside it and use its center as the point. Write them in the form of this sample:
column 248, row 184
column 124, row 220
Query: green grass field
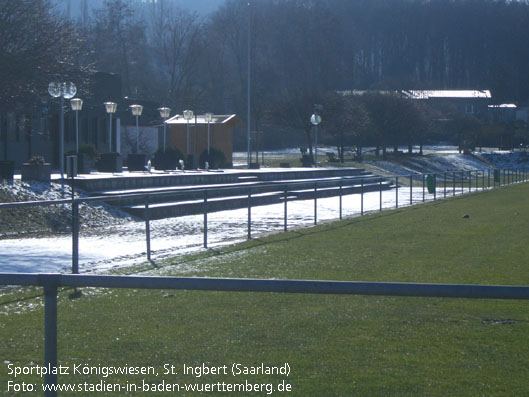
column 334, row 345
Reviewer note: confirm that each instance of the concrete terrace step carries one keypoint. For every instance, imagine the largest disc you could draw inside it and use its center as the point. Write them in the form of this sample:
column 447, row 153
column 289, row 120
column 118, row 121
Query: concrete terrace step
column 178, row 193
column 100, row 182
column 196, row 206
column 183, row 193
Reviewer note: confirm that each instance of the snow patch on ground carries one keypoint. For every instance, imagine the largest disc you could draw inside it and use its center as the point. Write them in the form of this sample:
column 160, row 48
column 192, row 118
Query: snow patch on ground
column 111, row 241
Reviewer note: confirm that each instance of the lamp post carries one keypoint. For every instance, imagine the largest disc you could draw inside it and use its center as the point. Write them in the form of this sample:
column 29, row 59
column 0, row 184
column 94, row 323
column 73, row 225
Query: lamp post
column 208, row 117
column 77, row 104
column 64, row 91
column 164, row 113
column 136, row 111
column 111, row 109
column 188, row 115
column 248, row 134
column 315, row 119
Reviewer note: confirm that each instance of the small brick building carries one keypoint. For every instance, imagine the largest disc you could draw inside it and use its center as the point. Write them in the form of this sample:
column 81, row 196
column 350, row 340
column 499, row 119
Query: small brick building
column 221, row 134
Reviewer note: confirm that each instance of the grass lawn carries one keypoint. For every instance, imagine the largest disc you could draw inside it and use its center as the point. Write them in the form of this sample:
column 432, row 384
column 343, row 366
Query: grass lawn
column 334, row 345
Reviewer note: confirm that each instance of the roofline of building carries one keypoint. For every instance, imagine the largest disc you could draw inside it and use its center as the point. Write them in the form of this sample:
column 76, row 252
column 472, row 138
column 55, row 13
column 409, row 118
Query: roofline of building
column 225, row 118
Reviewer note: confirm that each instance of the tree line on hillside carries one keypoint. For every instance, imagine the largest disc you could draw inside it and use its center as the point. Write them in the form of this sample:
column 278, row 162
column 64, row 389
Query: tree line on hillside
column 301, row 51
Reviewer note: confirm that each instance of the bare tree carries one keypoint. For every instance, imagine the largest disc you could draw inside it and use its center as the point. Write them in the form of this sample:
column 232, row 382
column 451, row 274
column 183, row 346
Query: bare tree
column 36, row 46
column 346, row 122
column 119, row 38
column 175, row 39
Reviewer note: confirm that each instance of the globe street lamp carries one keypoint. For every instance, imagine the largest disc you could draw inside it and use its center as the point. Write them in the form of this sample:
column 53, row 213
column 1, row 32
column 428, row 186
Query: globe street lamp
column 315, row 119
column 136, row 111
column 208, row 117
column 188, row 115
column 164, row 113
column 111, row 109
column 77, row 104
column 64, row 91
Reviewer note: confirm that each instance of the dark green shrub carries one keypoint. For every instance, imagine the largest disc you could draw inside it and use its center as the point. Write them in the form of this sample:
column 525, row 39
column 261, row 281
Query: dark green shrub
column 167, row 160
column 216, row 159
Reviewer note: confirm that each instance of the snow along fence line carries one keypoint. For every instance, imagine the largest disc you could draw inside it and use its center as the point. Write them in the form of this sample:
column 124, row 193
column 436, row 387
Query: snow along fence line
column 452, row 183
column 51, row 282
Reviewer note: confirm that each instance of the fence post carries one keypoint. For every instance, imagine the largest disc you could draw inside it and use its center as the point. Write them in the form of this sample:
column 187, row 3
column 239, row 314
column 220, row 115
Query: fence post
column 488, row 178
column 205, row 219
column 341, row 198
column 444, row 183
column 50, row 334
column 380, row 193
column 286, row 200
column 411, row 189
column 147, row 228
column 315, row 203
column 75, row 237
column 423, row 194
column 396, row 192
column 362, row 196
column 469, row 181
column 454, row 184
column 462, row 182
column 249, row 213
column 434, row 187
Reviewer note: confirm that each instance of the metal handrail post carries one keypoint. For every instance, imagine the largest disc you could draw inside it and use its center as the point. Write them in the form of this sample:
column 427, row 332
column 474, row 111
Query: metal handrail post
column 396, row 192
column 362, row 196
column 147, row 228
column 286, row 203
column 249, row 213
column 423, row 192
column 50, row 335
column 205, row 219
column 341, row 180
column 316, row 203
column 380, row 193
column 434, row 187
column 411, row 189
column 75, row 237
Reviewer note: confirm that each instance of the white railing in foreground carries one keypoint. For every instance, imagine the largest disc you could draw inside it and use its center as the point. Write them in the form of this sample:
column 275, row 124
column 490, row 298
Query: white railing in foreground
column 51, row 282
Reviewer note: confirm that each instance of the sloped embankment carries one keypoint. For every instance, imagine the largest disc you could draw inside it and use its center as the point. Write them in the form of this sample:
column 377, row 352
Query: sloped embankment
column 438, row 163
column 52, row 218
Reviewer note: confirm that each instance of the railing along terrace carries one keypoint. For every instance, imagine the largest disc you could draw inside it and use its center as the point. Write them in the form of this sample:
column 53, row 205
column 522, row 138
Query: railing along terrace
column 456, row 181
column 51, row 283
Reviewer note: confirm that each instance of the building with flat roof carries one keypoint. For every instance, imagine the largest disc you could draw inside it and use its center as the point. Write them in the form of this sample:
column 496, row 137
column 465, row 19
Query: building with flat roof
column 221, row 134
